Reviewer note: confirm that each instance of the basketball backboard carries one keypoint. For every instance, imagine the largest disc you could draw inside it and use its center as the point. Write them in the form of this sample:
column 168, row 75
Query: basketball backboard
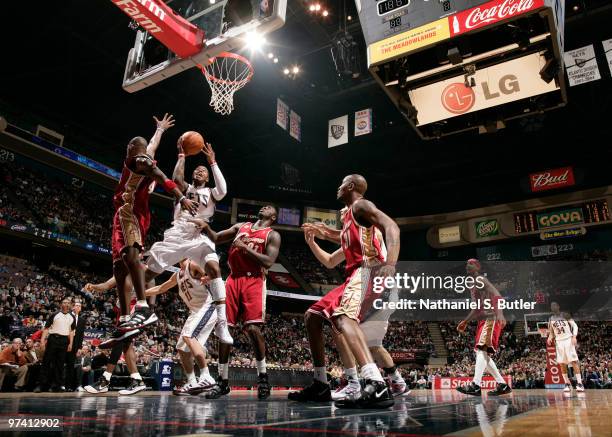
column 227, row 26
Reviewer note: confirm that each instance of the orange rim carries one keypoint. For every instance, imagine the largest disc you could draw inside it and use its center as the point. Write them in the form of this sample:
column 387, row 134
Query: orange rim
column 236, row 56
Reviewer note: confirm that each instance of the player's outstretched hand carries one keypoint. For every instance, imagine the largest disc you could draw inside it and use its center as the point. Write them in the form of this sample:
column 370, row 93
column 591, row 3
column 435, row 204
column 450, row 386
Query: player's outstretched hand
column 89, row 287
column 387, row 271
column 208, row 151
column 190, row 206
column 166, row 122
column 309, row 236
column 200, row 224
column 462, row 326
column 318, row 229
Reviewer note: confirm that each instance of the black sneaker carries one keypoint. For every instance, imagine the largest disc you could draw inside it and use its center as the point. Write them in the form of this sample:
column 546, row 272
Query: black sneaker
column 118, row 336
column 141, row 317
column 221, row 389
column 263, row 386
column 500, row 389
column 315, row 392
column 99, row 387
column 470, row 389
column 375, row 395
column 135, row 386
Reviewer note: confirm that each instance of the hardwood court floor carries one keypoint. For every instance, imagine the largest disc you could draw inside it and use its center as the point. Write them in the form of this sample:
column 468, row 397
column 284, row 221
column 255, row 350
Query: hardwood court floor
column 423, row 412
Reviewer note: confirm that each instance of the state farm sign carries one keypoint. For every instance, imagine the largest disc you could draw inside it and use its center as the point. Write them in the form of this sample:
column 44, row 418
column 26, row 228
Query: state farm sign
column 551, row 179
column 491, row 13
column 487, row 382
column 496, row 85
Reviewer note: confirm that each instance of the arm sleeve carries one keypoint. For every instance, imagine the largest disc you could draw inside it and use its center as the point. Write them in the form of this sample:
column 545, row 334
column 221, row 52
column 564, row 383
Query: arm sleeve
column 574, row 328
column 220, row 189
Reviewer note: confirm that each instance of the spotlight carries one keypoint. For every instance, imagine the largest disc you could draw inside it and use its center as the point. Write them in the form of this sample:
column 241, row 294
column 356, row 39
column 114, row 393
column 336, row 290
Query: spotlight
column 270, row 55
column 286, row 71
column 325, row 13
column 255, row 41
column 312, row 8
column 276, row 60
column 317, row 7
column 350, row 17
column 576, row 7
column 212, row 2
column 296, row 70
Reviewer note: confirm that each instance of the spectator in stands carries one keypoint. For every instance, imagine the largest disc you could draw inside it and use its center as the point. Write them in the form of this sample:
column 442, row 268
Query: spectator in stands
column 13, row 362
column 83, row 369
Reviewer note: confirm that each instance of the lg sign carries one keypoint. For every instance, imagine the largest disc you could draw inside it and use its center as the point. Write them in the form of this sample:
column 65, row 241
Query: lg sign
column 459, row 99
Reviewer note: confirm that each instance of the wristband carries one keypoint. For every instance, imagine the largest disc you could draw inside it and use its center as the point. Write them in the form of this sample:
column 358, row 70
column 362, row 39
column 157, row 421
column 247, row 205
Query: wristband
column 181, row 155
column 161, row 129
column 169, row 185
column 181, row 199
column 212, row 163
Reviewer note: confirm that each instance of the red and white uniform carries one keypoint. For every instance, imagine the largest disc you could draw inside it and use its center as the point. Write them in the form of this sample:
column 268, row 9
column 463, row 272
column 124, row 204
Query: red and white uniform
column 246, row 284
column 489, row 328
column 132, row 214
column 363, row 247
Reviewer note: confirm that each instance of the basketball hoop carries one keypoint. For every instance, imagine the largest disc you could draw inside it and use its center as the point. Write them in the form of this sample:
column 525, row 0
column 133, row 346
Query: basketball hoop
column 226, row 73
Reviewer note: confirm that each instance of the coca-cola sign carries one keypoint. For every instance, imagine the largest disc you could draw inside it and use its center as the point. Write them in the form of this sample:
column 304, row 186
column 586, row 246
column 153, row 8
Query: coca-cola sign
column 551, row 179
column 490, row 13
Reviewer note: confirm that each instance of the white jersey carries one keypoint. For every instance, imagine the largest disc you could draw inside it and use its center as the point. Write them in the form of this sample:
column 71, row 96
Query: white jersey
column 205, row 201
column 193, row 292
column 562, row 328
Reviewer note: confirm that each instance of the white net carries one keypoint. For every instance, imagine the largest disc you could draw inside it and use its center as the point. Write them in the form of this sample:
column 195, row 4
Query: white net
column 226, row 74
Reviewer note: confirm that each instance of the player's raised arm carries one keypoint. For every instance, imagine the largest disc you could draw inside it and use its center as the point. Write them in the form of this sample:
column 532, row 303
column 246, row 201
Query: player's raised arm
column 178, row 175
column 367, row 213
column 147, row 167
column 162, row 288
column 220, row 237
column 220, row 189
column 329, row 260
column 162, row 125
column 268, row 258
column 101, row 287
column 323, row 232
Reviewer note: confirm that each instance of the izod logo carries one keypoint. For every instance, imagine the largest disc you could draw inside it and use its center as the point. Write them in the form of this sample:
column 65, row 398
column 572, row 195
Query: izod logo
column 487, row 228
column 560, row 218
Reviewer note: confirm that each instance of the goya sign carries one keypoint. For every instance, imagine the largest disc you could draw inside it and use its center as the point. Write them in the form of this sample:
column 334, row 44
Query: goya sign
column 560, row 218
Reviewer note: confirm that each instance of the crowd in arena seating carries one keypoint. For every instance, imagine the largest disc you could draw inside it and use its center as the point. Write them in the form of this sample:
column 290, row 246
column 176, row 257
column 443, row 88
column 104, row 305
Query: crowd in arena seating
column 309, row 267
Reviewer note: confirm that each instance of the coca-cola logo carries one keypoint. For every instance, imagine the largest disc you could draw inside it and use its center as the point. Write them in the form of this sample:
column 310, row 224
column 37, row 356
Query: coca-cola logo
column 457, row 98
column 492, row 12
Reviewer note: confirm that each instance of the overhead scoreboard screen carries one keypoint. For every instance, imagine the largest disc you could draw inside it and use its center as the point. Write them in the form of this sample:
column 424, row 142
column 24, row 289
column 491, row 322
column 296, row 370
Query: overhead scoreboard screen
column 390, row 26
column 248, row 211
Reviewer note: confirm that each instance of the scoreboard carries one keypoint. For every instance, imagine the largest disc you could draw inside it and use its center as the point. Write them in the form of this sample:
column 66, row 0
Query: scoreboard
column 383, row 18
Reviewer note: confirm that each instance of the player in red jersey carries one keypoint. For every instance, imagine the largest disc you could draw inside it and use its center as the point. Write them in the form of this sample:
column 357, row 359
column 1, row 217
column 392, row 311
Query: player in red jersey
column 254, row 249
column 490, row 324
column 345, row 306
column 131, row 222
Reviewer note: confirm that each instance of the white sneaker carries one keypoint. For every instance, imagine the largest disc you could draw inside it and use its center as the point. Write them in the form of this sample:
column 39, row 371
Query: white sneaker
column 80, row 389
column 579, row 387
column 399, row 388
column 351, row 391
column 222, row 332
column 568, row 388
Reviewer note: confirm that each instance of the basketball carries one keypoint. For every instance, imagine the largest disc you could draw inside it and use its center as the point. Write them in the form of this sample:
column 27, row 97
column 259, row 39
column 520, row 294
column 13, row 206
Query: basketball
column 192, row 142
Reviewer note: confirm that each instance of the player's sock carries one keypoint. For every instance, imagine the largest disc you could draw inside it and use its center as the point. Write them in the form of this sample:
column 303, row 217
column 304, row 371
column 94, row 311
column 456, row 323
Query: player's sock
column 136, row 376
column 107, row 375
column 394, row 374
column 494, row 371
column 351, row 374
column 204, row 372
column 578, row 377
column 481, row 365
column 191, row 378
column 142, row 303
column 261, row 366
column 217, row 291
column 320, row 374
column 224, row 370
column 370, row 371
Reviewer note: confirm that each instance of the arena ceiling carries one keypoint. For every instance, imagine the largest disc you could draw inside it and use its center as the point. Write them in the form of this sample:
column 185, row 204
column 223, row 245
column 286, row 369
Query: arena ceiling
column 63, row 62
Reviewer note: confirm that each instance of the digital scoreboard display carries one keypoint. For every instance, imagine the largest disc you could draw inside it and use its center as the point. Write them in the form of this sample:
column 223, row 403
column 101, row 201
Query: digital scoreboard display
column 594, row 211
column 386, row 18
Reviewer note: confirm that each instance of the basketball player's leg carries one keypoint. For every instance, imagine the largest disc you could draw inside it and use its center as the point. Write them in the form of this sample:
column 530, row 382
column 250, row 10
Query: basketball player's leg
column 136, row 382
column 352, row 389
column 103, row 384
column 384, row 361
column 218, row 293
column 576, row 366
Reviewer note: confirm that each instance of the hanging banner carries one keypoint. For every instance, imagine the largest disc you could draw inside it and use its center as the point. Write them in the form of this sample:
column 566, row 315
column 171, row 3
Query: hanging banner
column 295, row 126
column 581, row 65
column 363, row 122
column 337, row 131
column 282, row 113
column 607, row 45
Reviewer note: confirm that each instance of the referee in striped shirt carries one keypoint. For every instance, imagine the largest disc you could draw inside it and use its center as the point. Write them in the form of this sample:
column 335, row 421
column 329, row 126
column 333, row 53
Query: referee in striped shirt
column 57, row 340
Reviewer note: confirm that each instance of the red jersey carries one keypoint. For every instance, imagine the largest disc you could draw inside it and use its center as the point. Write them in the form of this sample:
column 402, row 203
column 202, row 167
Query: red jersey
column 484, row 295
column 133, row 191
column 257, row 239
column 360, row 245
